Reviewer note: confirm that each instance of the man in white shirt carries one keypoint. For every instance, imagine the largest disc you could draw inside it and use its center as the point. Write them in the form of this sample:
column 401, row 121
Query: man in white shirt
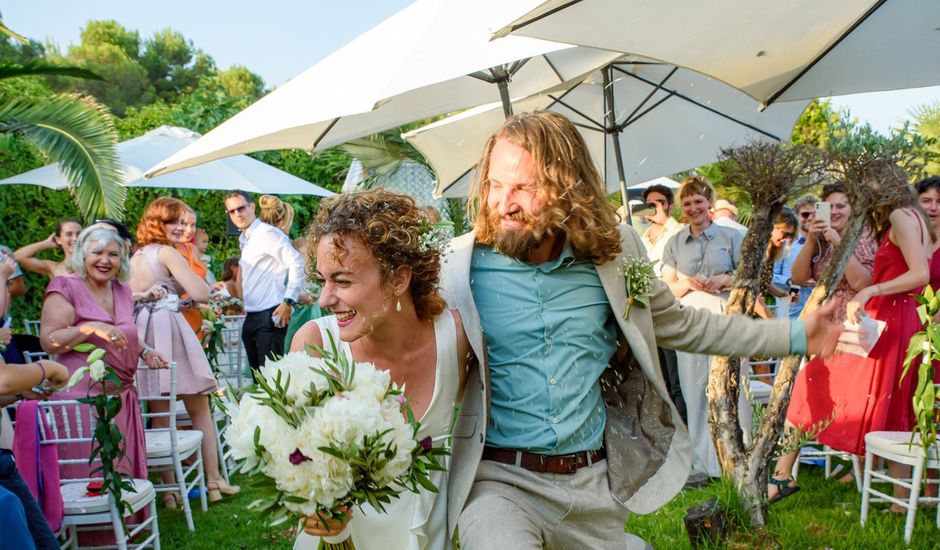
column 726, row 214
column 267, row 259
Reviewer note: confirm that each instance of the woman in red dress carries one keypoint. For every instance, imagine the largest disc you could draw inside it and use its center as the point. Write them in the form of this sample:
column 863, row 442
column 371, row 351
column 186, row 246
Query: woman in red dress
column 852, row 395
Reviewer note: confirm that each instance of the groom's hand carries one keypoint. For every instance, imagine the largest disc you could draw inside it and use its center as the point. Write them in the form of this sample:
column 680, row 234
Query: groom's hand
column 821, row 334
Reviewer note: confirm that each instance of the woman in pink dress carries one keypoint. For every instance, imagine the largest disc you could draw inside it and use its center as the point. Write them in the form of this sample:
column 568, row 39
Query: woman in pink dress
column 94, row 305
column 856, row 395
column 161, row 325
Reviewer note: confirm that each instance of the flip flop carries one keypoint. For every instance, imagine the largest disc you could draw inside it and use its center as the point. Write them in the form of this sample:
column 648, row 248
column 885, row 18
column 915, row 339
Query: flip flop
column 784, row 489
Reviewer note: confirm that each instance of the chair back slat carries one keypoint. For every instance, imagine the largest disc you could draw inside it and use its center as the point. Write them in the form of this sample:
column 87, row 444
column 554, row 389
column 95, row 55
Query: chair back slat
column 155, row 386
column 33, row 356
column 70, row 425
column 32, row 327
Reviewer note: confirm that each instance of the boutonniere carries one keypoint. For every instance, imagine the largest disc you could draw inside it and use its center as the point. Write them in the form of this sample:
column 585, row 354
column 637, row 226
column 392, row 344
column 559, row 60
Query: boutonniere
column 638, row 275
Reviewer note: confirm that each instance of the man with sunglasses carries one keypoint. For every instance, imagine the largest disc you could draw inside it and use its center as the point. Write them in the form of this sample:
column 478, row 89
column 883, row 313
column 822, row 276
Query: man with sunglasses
column 805, row 208
column 267, row 259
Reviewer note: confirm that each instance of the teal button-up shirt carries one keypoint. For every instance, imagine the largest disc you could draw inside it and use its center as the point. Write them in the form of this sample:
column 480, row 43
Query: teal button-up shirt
column 550, row 334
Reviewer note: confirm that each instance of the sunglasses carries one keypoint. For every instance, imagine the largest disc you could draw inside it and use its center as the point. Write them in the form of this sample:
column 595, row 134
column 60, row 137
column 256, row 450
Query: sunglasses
column 787, row 234
column 241, row 208
column 805, row 215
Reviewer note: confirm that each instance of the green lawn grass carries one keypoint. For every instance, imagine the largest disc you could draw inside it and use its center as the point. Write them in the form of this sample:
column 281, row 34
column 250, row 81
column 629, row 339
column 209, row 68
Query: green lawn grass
column 822, row 515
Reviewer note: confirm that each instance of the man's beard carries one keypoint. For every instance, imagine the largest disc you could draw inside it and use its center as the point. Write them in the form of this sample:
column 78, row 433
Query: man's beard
column 519, row 243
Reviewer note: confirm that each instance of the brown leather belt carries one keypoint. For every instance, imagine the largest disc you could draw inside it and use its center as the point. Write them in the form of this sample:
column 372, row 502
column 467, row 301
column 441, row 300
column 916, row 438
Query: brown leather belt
column 558, row 464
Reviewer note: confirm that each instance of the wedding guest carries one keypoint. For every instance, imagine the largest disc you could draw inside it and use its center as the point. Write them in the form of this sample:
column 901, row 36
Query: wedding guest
column 805, row 208
column 15, row 285
column 280, row 214
column 66, row 233
column 272, row 274
column 231, row 277
column 381, row 286
column 698, row 264
column 726, row 214
column 161, row 326
column 276, row 212
column 16, row 383
column 822, row 240
column 662, row 227
column 853, row 395
column 182, row 238
column 95, row 305
column 540, row 277
column 928, row 197
column 201, row 241
column 775, row 274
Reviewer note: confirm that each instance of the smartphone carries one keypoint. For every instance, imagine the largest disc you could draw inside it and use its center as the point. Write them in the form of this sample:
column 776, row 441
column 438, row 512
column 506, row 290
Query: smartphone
column 643, row 209
column 824, row 212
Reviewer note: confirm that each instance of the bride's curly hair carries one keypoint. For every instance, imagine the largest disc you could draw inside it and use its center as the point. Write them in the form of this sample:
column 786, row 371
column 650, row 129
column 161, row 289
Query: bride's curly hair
column 159, row 212
column 390, row 226
column 573, row 192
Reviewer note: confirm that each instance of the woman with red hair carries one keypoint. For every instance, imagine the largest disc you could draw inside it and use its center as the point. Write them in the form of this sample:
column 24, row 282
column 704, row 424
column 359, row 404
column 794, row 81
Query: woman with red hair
column 161, row 325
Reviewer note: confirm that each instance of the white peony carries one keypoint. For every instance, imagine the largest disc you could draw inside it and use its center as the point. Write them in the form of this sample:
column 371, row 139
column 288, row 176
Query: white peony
column 300, row 367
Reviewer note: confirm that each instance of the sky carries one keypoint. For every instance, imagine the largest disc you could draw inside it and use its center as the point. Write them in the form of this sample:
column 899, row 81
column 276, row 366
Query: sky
column 279, row 39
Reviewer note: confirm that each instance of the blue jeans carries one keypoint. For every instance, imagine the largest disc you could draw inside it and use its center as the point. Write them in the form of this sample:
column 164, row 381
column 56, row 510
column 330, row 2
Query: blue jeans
column 10, row 479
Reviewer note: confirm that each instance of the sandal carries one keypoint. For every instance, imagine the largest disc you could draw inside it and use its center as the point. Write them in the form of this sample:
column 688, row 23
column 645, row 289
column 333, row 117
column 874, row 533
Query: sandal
column 218, row 488
column 171, row 500
column 784, row 489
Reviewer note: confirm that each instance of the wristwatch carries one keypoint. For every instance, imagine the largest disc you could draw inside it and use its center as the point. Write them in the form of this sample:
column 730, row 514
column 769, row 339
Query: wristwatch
column 290, row 301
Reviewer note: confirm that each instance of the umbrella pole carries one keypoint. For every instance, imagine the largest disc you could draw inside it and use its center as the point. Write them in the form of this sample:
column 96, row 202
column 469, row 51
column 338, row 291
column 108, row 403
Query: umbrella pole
column 614, row 134
column 503, row 84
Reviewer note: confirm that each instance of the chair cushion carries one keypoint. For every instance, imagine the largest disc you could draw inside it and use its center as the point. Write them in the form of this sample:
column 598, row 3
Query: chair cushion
column 158, row 443
column 897, row 443
column 76, row 502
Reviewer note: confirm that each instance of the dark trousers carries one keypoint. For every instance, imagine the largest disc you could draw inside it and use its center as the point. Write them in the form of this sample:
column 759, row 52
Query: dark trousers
column 10, row 480
column 670, row 368
column 262, row 339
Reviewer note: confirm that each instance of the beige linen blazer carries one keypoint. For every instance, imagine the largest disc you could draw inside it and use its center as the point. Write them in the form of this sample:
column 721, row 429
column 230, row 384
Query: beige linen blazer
column 648, row 449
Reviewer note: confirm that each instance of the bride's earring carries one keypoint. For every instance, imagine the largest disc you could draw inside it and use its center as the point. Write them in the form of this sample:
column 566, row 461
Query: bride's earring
column 398, row 303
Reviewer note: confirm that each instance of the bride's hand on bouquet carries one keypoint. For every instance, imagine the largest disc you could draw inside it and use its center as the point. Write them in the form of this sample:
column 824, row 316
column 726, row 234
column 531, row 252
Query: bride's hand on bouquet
column 333, row 527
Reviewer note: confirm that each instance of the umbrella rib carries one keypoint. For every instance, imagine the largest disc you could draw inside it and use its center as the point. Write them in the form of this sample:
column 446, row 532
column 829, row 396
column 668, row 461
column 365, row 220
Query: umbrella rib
column 579, row 113
column 324, row 133
column 658, row 87
column 553, row 68
column 770, row 100
column 633, row 119
column 566, row 5
column 707, row 108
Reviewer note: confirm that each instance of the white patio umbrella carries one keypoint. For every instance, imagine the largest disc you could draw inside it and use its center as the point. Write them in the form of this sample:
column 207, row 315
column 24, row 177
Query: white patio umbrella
column 432, row 58
column 142, row 152
column 640, row 120
column 772, row 50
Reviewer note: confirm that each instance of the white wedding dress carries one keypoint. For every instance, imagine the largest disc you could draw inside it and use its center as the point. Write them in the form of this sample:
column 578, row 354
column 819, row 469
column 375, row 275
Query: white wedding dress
column 414, row 521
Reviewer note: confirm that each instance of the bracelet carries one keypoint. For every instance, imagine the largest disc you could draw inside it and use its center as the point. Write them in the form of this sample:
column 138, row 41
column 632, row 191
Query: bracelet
column 43, row 379
column 147, row 350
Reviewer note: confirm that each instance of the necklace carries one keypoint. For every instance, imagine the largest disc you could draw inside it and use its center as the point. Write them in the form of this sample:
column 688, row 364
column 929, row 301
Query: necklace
column 105, row 298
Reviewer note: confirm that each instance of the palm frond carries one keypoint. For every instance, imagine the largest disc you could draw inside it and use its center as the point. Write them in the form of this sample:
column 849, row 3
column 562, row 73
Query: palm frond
column 40, row 68
column 77, row 132
column 6, row 31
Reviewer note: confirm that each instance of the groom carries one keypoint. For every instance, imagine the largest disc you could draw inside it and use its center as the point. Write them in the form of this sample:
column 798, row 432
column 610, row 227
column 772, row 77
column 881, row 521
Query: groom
column 567, row 424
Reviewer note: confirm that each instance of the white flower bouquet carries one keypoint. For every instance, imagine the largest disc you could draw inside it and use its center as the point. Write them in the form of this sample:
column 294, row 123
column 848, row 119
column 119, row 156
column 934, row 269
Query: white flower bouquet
column 328, row 433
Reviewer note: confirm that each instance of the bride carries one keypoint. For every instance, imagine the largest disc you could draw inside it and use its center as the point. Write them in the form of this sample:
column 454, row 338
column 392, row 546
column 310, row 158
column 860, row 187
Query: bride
column 381, row 284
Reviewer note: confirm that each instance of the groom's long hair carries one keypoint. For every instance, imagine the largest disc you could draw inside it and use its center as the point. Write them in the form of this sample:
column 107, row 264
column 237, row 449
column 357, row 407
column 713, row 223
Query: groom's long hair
column 573, row 192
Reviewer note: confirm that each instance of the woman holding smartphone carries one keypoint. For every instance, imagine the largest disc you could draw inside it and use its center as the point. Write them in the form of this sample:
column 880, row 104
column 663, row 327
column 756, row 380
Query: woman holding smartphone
column 825, row 234
column 850, row 395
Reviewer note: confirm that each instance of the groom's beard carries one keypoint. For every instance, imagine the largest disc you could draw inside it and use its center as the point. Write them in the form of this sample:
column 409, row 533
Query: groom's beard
column 518, row 243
